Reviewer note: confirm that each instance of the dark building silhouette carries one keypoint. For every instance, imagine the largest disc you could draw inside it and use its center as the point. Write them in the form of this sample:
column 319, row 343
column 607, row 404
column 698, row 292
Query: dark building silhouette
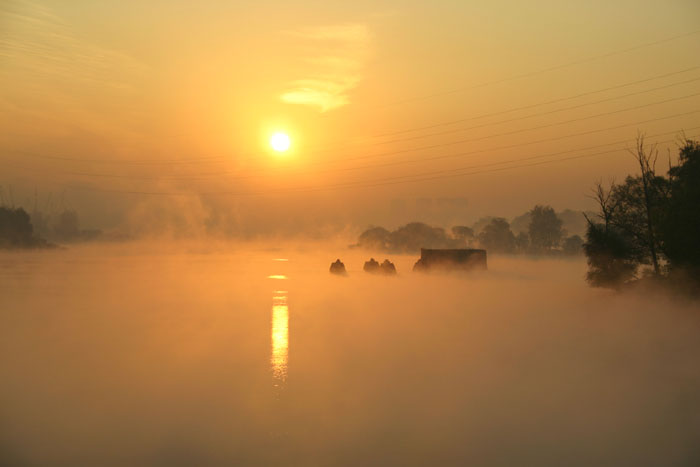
column 462, row 259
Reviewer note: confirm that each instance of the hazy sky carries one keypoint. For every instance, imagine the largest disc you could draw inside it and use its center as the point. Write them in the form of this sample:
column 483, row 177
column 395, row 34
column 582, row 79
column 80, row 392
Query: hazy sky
column 100, row 98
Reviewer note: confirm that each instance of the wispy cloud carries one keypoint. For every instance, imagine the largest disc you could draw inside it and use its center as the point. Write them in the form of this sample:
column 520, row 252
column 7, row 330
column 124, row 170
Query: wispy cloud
column 335, row 70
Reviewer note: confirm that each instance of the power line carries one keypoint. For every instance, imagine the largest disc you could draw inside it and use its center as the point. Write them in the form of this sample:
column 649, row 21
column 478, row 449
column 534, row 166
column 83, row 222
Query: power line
column 549, row 112
column 470, row 140
column 327, row 149
column 380, row 182
column 546, row 70
column 413, row 149
column 539, row 104
column 386, row 164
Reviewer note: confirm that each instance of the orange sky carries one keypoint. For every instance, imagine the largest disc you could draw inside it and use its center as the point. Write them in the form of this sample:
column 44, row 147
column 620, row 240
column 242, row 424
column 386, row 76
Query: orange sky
column 98, row 99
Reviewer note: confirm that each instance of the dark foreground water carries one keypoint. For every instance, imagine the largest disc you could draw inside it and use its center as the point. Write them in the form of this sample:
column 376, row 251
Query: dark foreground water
column 186, row 356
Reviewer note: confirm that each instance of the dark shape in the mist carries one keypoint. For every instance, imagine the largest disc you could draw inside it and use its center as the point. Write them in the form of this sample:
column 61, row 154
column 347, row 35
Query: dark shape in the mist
column 66, row 228
column 540, row 232
column 409, row 238
column 463, row 259
column 462, row 232
column 573, row 222
column 338, row 268
column 545, row 229
column 572, row 245
column 522, row 242
column 375, row 238
column 371, row 266
column 497, row 236
column 680, row 226
column 16, row 230
column 608, row 251
column 388, row 268
column 649, row 223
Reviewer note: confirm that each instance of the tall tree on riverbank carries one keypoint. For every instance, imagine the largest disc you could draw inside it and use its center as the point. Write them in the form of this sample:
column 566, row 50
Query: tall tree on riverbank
column 648, row 220
column 545, row 229
column 680, row 227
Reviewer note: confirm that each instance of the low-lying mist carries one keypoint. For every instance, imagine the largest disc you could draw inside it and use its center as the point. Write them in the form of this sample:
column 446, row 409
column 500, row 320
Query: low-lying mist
column 253, row 354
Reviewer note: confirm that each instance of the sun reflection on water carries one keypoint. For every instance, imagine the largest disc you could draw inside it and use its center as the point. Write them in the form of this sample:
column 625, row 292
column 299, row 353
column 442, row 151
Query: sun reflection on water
column 280, row 338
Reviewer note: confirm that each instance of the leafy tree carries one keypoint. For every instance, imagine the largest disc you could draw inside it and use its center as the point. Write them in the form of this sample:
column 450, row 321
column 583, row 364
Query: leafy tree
column 497, row 236
column 462, row 232
column 375, row 238
column 409, row 238
column 412, row 237
column 610, row 262
column 545, row 228
column 479, row 225
column 521, row 223
column 16, row 229
column 680, row 227
column 637, row 215
column 647, row 220
column 572, row 245
column 641, row 202
column 608, row 251
column 522, row 242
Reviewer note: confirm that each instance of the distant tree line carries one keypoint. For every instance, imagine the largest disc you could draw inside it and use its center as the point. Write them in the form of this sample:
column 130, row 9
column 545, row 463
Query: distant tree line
column 16, row 230
column 19, row 229
column 63, row 226
column 649, row 225
column 544, row 235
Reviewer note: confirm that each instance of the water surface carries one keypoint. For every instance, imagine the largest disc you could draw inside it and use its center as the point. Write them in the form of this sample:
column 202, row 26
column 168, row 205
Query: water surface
column 121, row 355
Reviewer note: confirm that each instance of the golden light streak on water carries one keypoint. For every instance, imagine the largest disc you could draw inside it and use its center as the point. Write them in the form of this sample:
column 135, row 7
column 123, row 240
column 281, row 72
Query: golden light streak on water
column 280, row 338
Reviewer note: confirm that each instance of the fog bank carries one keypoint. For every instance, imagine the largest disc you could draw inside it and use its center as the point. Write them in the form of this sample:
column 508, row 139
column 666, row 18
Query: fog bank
column 134, row 355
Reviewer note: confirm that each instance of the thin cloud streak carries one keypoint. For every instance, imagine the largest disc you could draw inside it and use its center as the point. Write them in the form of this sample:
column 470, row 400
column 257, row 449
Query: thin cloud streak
column 335, row 71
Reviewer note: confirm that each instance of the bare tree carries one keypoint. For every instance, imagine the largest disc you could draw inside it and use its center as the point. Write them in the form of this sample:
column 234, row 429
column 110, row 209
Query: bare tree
column 605, row 202
column 647, row 166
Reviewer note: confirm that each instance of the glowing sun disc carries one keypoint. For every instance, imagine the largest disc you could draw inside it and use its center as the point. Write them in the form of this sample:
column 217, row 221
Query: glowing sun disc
column 280, row 142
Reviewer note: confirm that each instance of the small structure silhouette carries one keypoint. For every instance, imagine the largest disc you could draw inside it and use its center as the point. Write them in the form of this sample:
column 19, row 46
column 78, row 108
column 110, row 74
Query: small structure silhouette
column 371, row 266
column 463, row 259
column 388, row 268
column 338, row 268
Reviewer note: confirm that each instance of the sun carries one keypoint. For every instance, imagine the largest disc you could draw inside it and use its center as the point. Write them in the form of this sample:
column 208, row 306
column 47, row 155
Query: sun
column 280, row 142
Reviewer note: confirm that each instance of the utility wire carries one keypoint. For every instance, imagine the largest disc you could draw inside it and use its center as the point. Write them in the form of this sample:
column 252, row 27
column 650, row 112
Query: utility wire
column 207, row 176
column 538, row 104
column 428, row 147
column 384, row 181
column 540, row 114
column 369, row 185
column 546, row 70
column 321, row 149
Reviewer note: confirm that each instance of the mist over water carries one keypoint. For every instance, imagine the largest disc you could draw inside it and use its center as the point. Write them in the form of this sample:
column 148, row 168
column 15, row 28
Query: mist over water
column 253, row 354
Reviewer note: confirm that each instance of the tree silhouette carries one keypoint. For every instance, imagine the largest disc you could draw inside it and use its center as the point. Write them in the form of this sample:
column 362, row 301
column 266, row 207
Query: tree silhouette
column 462, row 232
column 375, row 238
column 610, row 262
column 522, row 242
column 572, row 245
column 545, row 228
column 680, row 227
column 16, row 229
column 648, row 220
column 497, row 236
